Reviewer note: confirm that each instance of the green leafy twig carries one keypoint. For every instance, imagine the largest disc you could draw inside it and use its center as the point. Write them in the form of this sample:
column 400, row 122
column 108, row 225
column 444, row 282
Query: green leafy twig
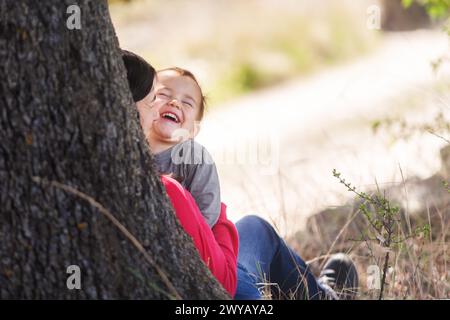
column 383, row 217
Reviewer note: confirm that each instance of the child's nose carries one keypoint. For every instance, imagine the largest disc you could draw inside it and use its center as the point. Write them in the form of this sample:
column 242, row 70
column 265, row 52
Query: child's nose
column 175, row 103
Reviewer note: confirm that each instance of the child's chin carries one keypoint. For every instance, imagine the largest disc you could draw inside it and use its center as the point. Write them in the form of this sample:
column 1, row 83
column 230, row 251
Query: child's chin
column 167, row 130
column 173, row 133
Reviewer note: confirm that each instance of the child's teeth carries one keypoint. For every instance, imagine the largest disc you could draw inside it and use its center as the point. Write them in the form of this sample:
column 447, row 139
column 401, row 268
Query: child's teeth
column 171, row 116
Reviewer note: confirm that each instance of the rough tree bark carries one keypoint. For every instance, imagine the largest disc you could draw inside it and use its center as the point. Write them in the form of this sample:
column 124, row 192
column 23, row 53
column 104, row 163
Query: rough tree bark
column 66, row 115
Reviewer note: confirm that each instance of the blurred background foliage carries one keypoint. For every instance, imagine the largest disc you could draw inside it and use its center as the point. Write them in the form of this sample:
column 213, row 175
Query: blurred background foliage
column 435, row 8
column 239, row 46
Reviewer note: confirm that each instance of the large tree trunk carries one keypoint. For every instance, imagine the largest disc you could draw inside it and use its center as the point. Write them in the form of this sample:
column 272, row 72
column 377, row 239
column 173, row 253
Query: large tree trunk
column 67, row 117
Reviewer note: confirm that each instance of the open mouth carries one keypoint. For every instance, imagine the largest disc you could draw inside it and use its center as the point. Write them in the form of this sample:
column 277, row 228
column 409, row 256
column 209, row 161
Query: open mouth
column 170, row 116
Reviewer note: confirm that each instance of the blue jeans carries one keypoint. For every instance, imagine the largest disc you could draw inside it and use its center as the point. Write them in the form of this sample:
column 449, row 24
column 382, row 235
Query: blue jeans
column 265, row 260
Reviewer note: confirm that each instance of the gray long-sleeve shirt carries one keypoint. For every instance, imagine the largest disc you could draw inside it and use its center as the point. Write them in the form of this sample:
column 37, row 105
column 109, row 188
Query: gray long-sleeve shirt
column 193, row 166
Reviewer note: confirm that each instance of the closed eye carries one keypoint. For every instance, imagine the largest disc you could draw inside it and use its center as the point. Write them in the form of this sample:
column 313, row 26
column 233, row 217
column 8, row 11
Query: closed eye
column 188, row 103
column 162, row 94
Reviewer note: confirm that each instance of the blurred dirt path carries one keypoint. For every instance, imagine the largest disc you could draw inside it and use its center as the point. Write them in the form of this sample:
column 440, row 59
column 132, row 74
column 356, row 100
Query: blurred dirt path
column 276, row 149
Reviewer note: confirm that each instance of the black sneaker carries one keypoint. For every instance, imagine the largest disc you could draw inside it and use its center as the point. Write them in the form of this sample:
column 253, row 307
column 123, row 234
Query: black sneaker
column 339, row 278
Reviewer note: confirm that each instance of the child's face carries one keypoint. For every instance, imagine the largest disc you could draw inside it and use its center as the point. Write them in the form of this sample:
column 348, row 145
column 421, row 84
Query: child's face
column 178, row 100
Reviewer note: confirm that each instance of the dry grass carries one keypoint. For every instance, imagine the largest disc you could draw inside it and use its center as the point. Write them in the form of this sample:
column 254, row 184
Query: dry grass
column 418, row 268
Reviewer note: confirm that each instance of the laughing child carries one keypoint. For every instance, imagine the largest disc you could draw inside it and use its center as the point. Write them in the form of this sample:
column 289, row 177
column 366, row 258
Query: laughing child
column 180, row 104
